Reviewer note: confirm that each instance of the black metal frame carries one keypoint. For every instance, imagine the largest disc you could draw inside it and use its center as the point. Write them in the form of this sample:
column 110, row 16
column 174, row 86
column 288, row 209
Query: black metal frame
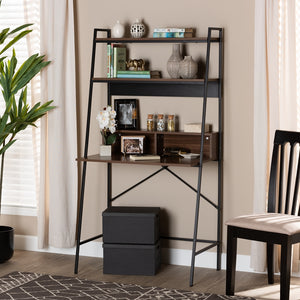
column 186, row 88
column 134, row 105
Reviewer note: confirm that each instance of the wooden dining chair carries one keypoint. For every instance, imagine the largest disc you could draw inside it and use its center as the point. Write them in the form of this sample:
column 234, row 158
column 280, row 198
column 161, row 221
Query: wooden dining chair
column 281, row 224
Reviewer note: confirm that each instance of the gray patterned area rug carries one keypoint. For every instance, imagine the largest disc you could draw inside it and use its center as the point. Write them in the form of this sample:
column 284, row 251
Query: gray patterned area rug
column 23, row 285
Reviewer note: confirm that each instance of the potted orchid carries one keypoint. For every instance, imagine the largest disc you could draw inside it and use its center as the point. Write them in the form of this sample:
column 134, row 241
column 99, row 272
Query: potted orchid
column 107, row 124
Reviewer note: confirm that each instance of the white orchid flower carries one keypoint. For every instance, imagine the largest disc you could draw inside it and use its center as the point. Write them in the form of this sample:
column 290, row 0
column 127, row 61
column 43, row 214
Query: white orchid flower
column 107, row 122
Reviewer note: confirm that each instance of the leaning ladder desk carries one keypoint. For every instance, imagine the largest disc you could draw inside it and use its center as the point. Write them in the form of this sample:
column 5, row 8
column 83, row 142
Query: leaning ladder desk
column 161, row 87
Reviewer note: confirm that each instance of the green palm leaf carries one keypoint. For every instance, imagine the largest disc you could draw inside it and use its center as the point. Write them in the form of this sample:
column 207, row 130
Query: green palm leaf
column 18, row 114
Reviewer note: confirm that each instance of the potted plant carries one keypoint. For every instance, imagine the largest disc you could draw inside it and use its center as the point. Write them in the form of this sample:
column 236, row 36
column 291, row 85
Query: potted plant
column 17, row 114
column 107, row 124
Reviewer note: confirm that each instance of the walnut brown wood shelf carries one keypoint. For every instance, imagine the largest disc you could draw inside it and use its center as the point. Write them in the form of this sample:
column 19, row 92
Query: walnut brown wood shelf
column 157, row 40
column 158, row 80
column 164, row 161
column 209, row 145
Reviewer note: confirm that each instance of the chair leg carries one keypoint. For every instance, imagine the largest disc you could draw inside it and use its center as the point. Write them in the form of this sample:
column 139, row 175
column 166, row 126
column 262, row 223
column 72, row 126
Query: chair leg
column 231, row 262
column 285, row 270
column 270, row 262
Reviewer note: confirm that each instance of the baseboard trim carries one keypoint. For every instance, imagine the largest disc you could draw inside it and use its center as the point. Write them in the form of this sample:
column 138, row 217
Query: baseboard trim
column 169, row 255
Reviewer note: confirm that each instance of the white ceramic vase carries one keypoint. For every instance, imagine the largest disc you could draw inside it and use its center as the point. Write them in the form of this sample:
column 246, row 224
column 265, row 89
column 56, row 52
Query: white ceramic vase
column 105, row 150
column 173, row 61
column 118, row 30
column 188, row 68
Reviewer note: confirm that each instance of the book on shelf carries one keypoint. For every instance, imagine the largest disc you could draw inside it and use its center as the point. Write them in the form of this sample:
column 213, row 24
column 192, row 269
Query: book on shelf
column 127, row 72
column 137, row 157
column 115, row 58
column 173, row 32
column 119, row 60
column 108, row 60
column 173, row 29
column 138, row 74
column 133, row 74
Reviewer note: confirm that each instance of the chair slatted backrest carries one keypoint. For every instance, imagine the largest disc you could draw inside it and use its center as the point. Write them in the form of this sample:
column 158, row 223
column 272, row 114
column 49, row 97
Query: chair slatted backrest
column 285, row 173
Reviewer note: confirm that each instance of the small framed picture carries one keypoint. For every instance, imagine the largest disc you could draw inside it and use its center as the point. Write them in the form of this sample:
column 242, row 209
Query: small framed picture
column 132, row 144
column 127, row 113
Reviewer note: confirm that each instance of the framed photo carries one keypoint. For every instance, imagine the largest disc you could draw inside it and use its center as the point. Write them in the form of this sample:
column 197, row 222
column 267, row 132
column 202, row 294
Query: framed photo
column 132, row 144
column 127, row 113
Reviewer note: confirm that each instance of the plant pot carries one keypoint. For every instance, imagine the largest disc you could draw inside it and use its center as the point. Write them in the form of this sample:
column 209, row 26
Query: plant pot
column 105, row 150
column 6, row 243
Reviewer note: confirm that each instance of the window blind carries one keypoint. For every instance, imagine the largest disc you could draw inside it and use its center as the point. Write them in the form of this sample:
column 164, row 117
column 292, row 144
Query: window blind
column 20, row 186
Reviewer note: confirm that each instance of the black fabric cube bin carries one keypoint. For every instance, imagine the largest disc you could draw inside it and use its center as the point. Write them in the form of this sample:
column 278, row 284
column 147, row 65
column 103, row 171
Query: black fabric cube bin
column 131, row 225
column 124, row 259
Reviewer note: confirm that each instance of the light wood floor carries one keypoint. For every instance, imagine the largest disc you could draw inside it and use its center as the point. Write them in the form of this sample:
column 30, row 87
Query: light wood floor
column 170, row 276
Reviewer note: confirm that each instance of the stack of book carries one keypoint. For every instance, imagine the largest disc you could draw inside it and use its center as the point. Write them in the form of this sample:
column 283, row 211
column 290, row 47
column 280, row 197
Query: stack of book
column 138, row 74
column 173, row 32
column 116, row 59
column 133, row 74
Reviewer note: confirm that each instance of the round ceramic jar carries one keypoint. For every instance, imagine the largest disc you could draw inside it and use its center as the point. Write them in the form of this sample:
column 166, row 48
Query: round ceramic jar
column 137, row 29
column 188, row 68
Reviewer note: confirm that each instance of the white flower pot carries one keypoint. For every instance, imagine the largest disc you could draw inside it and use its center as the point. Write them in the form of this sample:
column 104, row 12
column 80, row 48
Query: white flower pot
column 105, row 150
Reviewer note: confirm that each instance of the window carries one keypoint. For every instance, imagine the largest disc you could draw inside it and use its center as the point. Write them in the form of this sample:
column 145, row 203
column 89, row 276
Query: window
column 20, row 188
column 289, row 51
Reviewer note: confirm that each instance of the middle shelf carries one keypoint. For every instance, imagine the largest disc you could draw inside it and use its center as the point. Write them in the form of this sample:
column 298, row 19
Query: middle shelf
column 156, row 143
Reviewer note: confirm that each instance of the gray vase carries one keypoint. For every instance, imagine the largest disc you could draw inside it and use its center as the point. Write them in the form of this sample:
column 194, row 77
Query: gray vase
column 173, row 62
column 188, row 68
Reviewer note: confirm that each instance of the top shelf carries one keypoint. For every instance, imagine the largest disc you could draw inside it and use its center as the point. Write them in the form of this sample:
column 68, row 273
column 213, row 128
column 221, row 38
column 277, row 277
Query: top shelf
column 156, row 40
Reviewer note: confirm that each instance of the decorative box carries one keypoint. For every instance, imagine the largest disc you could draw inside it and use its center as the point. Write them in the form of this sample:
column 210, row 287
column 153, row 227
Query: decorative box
column 126, row 259
column 131, row 225
column 196, row 127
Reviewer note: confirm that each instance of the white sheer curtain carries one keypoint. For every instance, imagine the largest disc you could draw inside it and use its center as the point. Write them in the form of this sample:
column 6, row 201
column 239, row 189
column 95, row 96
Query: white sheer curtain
column 276, row 92
column 58, row 200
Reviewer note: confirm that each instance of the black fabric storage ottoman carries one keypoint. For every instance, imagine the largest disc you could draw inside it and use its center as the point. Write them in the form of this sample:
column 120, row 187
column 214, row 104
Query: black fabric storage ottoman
column 131, row 225
column 124, row 259
column 131, row 240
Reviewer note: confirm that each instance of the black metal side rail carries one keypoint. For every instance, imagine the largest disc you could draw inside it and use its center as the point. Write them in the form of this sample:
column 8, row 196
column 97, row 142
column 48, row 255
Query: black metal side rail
column 91, row 239
column 162, row 237
column 213, row 242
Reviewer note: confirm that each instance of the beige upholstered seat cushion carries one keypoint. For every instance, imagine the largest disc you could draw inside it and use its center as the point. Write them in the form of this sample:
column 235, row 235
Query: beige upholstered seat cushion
column 272, row 222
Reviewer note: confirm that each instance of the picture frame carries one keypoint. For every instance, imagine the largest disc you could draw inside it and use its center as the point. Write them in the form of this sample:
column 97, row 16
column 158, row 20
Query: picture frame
column 132, row 144
column 126, row 113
